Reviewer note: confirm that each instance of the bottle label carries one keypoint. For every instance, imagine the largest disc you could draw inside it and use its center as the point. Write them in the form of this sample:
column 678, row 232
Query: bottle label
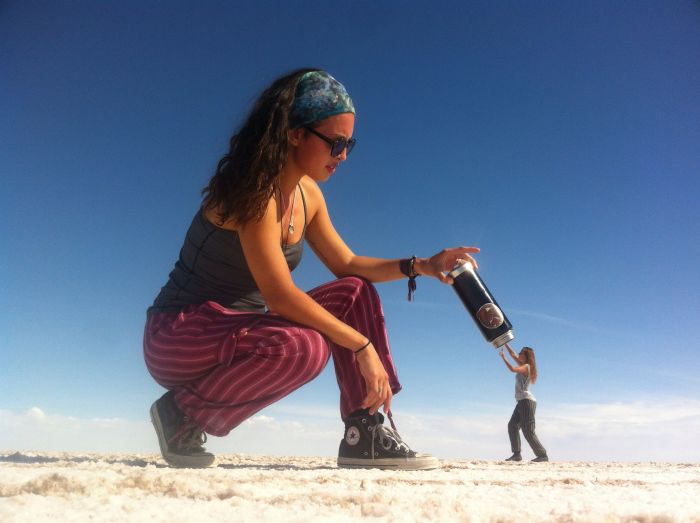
column 490, row 316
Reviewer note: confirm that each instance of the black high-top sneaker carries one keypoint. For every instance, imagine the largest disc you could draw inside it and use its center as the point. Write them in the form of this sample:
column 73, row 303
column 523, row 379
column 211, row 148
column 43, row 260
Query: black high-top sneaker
column 179, row 438
column 369, row 444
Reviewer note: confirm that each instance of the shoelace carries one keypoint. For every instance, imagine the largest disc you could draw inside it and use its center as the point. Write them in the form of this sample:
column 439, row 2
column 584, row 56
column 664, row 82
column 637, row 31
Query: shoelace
column 386, row 433
column 189, row 437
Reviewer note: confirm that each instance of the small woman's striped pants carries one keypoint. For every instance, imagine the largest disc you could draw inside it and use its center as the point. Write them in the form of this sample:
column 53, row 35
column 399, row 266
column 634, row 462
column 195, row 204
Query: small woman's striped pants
column 226, row 365
column 524, row 418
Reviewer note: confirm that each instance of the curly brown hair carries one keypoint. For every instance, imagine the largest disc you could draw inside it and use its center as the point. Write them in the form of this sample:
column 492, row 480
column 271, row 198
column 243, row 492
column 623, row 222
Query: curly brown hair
column 248, row 173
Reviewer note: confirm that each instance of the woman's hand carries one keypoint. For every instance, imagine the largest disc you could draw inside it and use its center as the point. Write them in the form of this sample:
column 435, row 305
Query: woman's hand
column 440, row 264
column 376, row 381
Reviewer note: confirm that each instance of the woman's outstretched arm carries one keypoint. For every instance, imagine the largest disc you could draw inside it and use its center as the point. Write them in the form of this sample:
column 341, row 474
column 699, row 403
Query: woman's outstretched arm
column 520, row 369
column 513, row 355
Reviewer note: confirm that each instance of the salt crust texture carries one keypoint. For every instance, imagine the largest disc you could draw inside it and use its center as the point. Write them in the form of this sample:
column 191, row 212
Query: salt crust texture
column 37, row 487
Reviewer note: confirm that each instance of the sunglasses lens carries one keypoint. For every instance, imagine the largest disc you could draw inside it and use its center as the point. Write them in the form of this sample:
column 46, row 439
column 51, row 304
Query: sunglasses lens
column 337, row 147
column 350, row 145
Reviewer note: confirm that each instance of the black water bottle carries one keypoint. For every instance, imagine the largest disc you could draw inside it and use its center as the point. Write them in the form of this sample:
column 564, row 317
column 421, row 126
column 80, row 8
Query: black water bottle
column 481, row 305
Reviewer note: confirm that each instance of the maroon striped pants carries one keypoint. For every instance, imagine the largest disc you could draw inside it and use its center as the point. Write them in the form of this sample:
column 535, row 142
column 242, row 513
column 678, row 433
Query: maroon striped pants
column 226, row 365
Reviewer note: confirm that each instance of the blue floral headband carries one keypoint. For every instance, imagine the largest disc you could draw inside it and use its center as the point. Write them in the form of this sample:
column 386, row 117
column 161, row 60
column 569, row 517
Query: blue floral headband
column 318, row 96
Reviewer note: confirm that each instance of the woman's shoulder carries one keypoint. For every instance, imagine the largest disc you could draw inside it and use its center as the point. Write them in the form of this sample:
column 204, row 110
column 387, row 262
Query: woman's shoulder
column 310, row 187
column 313, row 195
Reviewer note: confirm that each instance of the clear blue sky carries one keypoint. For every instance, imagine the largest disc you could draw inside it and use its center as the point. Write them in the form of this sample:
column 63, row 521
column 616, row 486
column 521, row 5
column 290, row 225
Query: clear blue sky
column 562, row 138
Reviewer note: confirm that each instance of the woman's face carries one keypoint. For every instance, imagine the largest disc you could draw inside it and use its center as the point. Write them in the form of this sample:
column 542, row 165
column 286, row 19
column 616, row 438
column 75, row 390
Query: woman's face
column 522, row 357
column 312, row 155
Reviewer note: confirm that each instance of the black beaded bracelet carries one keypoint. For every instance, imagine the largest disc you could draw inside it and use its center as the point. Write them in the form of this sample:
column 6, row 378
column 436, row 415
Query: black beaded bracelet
column 411, row 267
column 407, row 268
column 363, row 347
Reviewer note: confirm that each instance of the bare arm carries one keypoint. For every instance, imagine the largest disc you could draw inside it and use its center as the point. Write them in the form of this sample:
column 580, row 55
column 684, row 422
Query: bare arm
column 513, row 355
column 520, row 369
column 260, row 242
column 261, row 247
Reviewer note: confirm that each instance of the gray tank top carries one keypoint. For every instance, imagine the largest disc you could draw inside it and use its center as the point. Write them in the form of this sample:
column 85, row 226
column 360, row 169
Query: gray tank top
column 522, row 386
column 212, row 267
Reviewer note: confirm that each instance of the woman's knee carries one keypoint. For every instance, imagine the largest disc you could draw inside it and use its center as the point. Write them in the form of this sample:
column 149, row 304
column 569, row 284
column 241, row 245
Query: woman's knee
column 361, row 288
column 529, row 429
column 314, row 352
column 358, row 282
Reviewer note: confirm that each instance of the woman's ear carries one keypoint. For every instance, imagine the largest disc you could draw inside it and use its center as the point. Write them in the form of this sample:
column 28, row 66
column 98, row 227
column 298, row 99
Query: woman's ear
column 294, row 136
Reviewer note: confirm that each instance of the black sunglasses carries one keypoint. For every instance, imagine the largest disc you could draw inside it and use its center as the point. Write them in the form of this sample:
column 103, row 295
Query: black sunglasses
column 337, row 145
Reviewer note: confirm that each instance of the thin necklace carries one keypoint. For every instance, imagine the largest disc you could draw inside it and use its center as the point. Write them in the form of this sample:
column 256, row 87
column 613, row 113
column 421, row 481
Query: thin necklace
column 290, row 228
column 291, row 214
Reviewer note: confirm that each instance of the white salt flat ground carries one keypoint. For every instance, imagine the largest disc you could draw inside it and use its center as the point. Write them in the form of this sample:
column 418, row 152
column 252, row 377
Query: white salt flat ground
column 38, row 487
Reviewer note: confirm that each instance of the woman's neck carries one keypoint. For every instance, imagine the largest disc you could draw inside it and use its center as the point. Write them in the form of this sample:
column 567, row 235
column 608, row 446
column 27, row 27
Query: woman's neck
column 289, row 179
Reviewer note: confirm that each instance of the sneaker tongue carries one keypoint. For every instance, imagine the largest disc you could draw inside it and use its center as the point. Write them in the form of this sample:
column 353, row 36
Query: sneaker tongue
column 387, row 434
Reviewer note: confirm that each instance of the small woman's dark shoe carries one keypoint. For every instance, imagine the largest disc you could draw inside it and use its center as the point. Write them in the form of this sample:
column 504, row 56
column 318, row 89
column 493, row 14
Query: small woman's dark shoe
column 515, row 457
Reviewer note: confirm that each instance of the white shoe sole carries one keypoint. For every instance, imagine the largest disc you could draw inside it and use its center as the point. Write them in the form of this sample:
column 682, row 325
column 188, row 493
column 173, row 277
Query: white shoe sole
column 420, row 462
column 177, row 460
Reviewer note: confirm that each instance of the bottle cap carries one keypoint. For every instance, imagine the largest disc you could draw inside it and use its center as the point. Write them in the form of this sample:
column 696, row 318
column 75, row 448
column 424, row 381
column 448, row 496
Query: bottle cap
column 460, row 268
column 503, row 339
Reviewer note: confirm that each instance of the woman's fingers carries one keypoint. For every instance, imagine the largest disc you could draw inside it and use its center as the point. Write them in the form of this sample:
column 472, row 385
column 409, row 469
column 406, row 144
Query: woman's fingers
column 377, row 396
column 444, row 261
column 471, row 260
column 384, row 400
column 462, row 257
column 376, row 380
column 387, row 403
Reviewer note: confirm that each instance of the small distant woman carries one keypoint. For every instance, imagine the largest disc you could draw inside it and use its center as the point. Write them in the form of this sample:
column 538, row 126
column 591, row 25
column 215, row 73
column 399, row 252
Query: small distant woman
column 523, row 417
